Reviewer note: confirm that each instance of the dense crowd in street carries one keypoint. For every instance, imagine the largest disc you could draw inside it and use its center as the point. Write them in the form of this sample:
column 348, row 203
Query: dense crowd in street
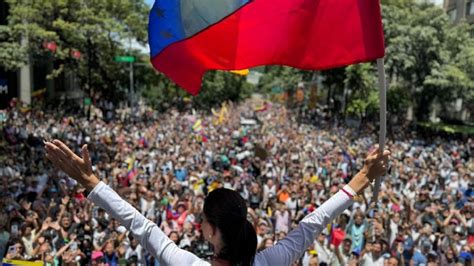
column 283, row 164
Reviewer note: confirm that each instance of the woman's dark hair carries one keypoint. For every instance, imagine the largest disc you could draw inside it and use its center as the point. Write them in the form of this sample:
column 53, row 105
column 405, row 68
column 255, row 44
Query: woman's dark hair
column 227, row 210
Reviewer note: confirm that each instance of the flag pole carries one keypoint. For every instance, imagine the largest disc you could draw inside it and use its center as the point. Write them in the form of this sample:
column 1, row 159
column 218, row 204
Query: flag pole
column 383, row 120
column 382, row 132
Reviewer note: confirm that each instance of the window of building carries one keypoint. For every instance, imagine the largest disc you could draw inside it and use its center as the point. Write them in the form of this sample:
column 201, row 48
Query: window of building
column 452, row 14
column 470, row 8
column 3, row 12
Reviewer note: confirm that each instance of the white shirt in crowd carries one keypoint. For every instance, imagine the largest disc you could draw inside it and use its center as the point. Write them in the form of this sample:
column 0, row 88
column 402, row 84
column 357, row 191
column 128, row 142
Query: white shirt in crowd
column 369, row 260
column 325, row 254
column 138, row 251
column 267, row 190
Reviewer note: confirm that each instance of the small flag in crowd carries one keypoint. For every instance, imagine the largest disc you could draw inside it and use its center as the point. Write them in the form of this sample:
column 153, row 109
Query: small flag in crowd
column 197, row 127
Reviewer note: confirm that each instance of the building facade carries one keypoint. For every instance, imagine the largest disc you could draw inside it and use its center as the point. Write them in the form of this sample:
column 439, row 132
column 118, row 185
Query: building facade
column 460, row 10
column 8, row 79
column 26, row 82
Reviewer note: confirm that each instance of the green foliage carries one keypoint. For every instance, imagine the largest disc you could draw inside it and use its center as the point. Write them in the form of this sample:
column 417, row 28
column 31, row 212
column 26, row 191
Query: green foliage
column 220, row 86
column 424, row 55
column 399, row 3
column 364, row 107
column 447, row 128
column 334, row 78
column 398, row 100
column 11, row 54
column 99, row 30
column 363, row 92
column 427, row 59
column 217, row 87
column 283, row 77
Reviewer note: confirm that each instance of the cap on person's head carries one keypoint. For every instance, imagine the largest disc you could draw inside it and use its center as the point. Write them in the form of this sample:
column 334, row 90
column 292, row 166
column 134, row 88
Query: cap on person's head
column 97, row 255
column 426, row 244
column 408, row 245
column 263, row 222
column 185, row 243
column 465, row 257
column 432, row 254
column 347, row 213
column 325, row 232
column 356, row 251
column 121, row 229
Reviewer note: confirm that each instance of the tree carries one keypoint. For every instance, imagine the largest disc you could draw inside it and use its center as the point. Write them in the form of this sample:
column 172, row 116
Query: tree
column 423, row 55
column 362, row 95
column 82, row 36
column 283, row 77
column 455, row 78
column 11, row 54
column 333, row 80
column 220, row 86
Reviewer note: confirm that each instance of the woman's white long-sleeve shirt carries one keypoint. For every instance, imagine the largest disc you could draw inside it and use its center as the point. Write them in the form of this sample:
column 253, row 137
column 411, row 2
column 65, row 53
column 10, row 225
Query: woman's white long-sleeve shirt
column 151, row 237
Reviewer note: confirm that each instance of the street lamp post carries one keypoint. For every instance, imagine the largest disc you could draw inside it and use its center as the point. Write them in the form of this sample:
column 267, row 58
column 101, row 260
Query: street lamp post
column 131, row 90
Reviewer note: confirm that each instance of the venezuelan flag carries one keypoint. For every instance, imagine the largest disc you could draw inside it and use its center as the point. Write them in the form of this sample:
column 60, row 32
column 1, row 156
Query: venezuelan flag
column 189, row 37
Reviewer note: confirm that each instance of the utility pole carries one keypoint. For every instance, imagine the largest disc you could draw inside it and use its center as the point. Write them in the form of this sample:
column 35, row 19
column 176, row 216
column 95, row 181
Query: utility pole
column 25, row 71
column 25, row 74
column 131, row 90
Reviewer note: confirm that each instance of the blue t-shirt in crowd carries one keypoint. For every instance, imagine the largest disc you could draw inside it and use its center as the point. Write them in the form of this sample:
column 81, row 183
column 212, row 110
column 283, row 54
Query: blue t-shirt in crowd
column 419, row 259
column 181, row 174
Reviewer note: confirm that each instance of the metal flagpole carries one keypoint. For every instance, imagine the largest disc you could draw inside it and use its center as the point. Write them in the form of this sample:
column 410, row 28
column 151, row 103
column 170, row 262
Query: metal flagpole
column 383, row 119
column 382, row 132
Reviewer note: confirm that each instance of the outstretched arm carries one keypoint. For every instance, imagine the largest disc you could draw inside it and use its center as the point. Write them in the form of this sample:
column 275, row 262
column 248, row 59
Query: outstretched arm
column 148, row 233
column 288, row 250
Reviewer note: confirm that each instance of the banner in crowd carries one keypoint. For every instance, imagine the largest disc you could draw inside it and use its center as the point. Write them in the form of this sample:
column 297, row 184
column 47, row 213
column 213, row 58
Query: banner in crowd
column 6, row 262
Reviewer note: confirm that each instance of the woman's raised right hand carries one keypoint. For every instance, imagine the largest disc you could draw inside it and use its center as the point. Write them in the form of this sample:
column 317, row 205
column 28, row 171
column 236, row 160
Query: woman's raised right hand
column 375, row 165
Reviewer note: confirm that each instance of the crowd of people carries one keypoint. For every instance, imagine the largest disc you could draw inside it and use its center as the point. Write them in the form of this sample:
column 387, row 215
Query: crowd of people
column 165, row 163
